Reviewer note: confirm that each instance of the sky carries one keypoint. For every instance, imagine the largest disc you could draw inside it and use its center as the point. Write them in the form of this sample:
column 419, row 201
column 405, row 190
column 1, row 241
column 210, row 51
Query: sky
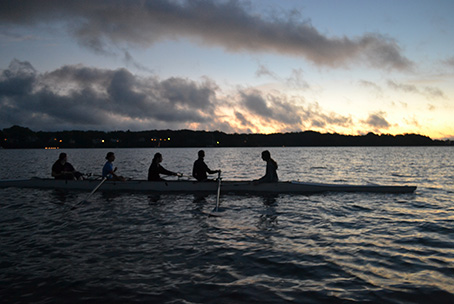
column 260, row 66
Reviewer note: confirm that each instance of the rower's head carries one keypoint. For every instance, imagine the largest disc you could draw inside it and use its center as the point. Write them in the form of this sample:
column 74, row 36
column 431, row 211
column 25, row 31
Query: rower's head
column 62, row 157
column 110, row 156
column 266, row 155
column 201, row 154
column 157, row 158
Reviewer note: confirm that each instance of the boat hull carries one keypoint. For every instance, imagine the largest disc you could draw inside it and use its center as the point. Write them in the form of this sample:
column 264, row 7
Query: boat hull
column 193, row 186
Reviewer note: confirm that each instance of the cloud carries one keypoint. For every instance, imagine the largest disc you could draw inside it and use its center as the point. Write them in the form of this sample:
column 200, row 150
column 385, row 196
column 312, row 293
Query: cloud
column 80, row 97
column 87, row 98
column 367, row 84
column 83, row 98
column 129, row 60
column 429, row 92
column 264, row 71
column 412, row 121
column 255, row 103
column 7, row 35
column 273, row 110
column 449, row 61
column 434, row 92
column 101, row 24
column 403, row 87
column 295, row 80
column 18, row 79
column 244, row 122
column 316, row 117
column 377, row 121
column 270, row 108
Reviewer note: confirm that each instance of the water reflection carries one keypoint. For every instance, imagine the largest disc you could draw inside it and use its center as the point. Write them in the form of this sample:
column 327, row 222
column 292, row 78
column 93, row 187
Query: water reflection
column 59, row 196
column 200, row 199
column 153, row 198
column 110, row 196
column 269, row 199
column 268, row 219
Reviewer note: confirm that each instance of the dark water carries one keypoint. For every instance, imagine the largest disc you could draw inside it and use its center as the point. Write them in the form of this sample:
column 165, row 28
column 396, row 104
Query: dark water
column 325, row 248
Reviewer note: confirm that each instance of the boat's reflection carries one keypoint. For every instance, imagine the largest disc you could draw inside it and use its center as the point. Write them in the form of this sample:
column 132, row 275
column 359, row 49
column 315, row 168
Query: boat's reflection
column 109, row 196
column 200, row 199
column 268, row 219
column 153, row 198
column 59, row 196
column 269, row 199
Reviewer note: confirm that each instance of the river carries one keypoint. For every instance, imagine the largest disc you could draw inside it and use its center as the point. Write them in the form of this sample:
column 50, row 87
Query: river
column 145, row 248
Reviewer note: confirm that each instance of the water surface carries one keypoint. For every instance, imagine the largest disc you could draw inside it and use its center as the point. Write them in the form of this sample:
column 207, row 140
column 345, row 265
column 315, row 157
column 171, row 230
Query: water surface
column 324, row 248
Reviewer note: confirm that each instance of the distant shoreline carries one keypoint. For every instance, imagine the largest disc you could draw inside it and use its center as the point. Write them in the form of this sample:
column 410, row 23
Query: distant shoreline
column 18, row 137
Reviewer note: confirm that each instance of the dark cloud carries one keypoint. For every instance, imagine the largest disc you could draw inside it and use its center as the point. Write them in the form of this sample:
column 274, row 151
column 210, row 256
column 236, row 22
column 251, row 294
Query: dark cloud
column 130, row 61
column 272, row 110
column 17, row 80
column 284, row 111
column 80, row 97
column 84, row 98
column 100, row 24
column 244, row 122
column 377, row 121
column 256, row 104
column 186, row 93
column 314, row 116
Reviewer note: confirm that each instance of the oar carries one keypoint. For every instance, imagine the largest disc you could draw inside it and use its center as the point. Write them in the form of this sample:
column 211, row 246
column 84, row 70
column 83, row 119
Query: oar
column 219, row 191
column 215, row 211
column 91, row 193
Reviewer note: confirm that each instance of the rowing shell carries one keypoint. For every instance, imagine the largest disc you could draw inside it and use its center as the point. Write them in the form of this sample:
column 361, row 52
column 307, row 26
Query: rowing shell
column 193, row 186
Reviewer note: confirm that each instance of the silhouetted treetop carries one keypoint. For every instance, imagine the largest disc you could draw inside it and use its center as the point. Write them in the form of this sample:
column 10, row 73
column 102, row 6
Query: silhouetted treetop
column 20, row 137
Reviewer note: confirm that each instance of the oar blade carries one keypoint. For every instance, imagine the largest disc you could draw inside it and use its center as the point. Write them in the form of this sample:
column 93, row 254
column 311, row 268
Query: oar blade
column 79, row 203
column 82, row 202
column 217, row 212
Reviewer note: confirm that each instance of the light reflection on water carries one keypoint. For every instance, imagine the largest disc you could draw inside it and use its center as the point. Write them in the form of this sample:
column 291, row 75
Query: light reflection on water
column 136, row 247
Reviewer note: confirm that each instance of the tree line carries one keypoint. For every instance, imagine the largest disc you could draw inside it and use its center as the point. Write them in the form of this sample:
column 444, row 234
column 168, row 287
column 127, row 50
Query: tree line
column 20, row 137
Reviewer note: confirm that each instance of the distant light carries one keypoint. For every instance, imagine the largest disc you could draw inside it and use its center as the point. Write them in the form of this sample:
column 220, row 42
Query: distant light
column 102, row 141
column 217, row 142
column 168, row 138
